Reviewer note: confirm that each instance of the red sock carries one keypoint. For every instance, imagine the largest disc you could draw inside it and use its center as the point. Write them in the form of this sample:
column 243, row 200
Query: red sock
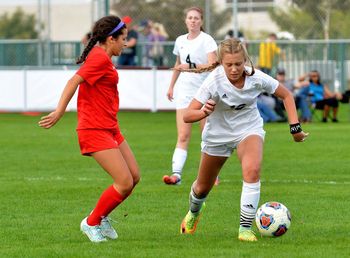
column 109, row 199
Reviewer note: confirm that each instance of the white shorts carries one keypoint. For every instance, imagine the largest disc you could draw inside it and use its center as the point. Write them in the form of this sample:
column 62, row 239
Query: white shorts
column 184, row 95
column 183, row 101
column 226, row 149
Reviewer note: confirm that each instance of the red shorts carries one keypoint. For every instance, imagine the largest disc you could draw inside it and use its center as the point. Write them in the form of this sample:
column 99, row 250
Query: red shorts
column 93, row 140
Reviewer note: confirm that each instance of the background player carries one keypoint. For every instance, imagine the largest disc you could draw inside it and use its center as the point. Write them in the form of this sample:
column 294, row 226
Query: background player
column 196, row 49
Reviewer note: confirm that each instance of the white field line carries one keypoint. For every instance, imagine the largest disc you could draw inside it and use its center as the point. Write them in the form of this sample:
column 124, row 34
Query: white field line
column 59, row 178
column 293, row 181
column 306, row 181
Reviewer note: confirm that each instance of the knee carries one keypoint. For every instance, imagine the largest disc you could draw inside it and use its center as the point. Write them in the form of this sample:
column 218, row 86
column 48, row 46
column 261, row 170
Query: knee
column 136, row 178
column 183, row 138
column 125, row 186
column 251, row 174
column 201, row 190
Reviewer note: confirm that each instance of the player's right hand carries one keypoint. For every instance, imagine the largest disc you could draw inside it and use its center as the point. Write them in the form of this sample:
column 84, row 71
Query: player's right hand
column 49, row 120
column 170, row 94
column 209, row 107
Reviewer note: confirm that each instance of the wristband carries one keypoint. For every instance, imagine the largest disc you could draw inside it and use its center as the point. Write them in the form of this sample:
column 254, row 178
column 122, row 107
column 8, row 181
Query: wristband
column 295, row 128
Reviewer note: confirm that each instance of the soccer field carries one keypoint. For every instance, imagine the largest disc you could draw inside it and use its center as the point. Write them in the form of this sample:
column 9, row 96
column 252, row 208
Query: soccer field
column 47, row 188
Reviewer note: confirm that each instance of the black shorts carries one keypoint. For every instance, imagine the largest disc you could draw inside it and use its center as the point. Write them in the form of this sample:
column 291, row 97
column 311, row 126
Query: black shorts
column 332, row 102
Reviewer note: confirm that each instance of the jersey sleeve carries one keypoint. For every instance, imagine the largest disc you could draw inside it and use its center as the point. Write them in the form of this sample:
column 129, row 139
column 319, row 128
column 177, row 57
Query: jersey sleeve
column 204, row 93
column 269, row 84
column 176, row 47
column 93, row 68
column 210, row 45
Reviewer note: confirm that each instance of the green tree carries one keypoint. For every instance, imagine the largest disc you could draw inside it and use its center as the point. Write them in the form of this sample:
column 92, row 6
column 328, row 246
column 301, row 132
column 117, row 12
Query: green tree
column 171, row 14
column 313, row 19
column 19, row 25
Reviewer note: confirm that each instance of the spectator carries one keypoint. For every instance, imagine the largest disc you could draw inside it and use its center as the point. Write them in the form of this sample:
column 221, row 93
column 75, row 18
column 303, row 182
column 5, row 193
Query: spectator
column 128, row 55
column 144, row 36
column 345, row 97
column 268, row 53
column 300, row 100
column 230, row 35
column 266, row 111
column 321, row 96
column 158, row 35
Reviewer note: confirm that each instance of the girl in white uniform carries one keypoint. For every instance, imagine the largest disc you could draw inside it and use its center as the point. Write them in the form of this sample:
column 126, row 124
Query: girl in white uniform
column 195, row 49
column 227, row 99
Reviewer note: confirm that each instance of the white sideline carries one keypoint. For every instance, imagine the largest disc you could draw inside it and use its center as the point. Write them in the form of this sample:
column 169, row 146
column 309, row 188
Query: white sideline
column 296, row 181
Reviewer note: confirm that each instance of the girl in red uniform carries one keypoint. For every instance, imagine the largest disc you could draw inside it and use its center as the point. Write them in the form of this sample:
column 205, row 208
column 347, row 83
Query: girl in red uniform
column 98, row 130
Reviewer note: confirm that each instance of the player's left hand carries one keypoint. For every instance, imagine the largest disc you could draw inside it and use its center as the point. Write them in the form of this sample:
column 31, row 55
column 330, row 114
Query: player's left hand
column 300, row 137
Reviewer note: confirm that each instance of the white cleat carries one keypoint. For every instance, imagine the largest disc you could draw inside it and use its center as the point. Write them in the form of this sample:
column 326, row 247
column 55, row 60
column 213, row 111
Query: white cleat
column 94, row 233
column 107, row 229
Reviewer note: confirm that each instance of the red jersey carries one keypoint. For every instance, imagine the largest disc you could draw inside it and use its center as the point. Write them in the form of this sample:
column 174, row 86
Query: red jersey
column 98, row 99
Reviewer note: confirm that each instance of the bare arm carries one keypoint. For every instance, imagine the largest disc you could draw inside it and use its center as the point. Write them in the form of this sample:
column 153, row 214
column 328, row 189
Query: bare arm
column 211, row 60
column 301, row 84
column 131, row 43
column 67, row 94
column 197, row 111
column 289, row 104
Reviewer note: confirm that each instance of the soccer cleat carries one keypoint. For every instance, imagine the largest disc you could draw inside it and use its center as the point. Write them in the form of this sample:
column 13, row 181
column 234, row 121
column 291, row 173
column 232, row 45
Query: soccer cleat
column 189, row 223
column 93, row 232
column 246, row 234
column 107, row 229
column 172, row 180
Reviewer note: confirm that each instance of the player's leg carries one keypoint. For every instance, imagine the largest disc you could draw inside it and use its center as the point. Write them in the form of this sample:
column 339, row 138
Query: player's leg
column 131, row 162
column 201, row 126
column 208, row 171
column 106, row 226
column 113, row 162
column 249, row 152
column 180, row 152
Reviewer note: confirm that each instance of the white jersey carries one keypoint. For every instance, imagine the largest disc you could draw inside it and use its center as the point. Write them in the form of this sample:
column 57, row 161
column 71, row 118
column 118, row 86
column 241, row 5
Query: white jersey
column 197, row 51
column 236, row 109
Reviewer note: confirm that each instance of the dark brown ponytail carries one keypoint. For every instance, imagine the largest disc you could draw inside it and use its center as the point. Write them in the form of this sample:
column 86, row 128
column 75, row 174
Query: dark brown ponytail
column 101, row 30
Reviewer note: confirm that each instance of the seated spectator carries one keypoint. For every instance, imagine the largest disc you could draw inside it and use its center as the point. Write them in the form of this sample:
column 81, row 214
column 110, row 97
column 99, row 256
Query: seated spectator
column 266, row 110
column 345, row 97
column 301, row 101
column 321, row 96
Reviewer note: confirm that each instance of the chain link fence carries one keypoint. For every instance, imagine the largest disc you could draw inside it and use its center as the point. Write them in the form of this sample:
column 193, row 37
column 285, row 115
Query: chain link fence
column 290, row 19
column 305, row 30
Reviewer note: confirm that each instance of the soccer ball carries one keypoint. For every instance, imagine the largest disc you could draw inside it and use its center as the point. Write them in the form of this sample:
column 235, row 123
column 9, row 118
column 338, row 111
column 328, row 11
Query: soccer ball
column 272, row 219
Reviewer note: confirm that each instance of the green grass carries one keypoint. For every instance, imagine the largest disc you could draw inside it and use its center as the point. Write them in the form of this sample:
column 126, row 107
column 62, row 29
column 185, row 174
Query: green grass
column 47, row 187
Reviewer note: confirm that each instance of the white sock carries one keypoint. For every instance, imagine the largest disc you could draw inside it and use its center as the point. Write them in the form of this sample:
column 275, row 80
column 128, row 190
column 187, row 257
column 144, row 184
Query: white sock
column 249, row 203
column 179, row 159
column 196, row 203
